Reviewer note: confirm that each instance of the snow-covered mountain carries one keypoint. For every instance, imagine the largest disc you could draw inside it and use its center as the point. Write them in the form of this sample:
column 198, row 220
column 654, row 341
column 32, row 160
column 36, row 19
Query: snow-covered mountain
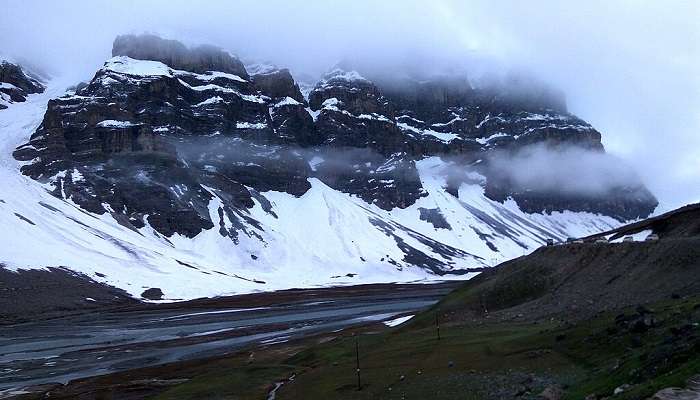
column 180, row 169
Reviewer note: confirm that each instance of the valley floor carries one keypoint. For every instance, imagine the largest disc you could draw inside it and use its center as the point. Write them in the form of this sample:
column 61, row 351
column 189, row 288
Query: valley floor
column 578, row 321
column 97, row 341
column 487, row 360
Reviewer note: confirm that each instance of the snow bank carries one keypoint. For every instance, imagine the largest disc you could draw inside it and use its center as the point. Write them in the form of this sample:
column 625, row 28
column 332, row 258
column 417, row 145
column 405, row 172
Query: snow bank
column 140, row 68
column 112, row 123
column 287, row 101
column 397, row 321
column 445, row 137
column 211, row 75
column 340, row 74
column 249, row 125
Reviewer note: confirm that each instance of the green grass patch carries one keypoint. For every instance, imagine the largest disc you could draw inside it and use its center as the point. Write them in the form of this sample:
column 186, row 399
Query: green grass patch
column 229, row 381
column 594, row 356
column 483, row 360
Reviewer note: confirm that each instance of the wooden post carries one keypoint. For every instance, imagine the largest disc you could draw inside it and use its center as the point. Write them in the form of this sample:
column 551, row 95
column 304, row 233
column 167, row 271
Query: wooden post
column 357, row 361
column 437, row 323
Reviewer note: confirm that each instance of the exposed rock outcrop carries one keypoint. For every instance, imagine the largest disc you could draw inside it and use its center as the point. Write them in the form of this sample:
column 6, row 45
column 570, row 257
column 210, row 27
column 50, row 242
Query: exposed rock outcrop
column 16, row 84
column 175, row 54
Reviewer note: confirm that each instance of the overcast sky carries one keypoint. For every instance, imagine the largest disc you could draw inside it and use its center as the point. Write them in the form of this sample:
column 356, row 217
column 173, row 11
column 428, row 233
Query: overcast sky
column 630, row 68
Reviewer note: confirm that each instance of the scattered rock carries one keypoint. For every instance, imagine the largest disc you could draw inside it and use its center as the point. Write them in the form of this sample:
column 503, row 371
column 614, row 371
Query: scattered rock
column 152, row 294
column 692, row 392
column 621, row 389
column 552, row 393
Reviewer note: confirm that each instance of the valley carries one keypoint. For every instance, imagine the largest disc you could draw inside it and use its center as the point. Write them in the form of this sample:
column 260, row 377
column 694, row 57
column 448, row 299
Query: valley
column 97, row 342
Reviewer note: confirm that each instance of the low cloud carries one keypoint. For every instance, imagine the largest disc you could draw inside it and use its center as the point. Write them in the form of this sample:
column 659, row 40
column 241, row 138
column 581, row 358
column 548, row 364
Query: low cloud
column 567, row 170
column 627, row 67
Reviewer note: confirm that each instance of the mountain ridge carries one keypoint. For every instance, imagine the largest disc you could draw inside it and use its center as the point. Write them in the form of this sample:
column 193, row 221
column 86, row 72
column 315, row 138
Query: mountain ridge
column 220, row 165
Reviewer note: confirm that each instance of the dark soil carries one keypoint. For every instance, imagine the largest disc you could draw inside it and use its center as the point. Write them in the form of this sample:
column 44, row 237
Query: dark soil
column 53, row 292
column 578, row 281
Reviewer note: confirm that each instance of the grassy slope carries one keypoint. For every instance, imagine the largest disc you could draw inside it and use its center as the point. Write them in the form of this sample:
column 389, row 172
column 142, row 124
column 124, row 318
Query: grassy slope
column 497, row 360
column 580, row 280
column 550, row 321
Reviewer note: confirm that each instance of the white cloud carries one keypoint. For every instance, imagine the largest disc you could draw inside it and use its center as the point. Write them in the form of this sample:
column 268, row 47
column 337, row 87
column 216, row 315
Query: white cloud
column 627, row 67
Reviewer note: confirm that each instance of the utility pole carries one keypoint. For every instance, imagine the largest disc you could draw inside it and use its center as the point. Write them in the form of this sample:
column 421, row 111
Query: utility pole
column 357, row 361
column 437, row 323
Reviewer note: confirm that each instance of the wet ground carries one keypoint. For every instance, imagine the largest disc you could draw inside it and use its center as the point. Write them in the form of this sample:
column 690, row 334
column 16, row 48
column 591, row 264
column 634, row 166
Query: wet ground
column 106, row 341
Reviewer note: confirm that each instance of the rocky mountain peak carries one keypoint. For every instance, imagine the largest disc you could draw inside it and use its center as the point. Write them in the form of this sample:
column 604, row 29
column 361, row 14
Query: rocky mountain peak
column 275, row 82
column 355, row 93
column 16, row 84
column 173, row 53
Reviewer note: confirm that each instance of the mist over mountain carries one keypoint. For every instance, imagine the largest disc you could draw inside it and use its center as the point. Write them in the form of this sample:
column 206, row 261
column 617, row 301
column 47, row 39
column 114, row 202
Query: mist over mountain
column 627, row 69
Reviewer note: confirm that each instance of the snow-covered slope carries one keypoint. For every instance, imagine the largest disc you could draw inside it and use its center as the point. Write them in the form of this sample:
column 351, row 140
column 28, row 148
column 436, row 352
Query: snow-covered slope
column 322, row 237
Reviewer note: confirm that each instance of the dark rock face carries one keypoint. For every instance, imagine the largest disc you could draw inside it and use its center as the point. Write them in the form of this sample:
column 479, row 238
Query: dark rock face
column 15, row 84
column 622, row 203
column 173, row 53
column 290, row 120
column 278, row 83
column 507, row 119
column 353, row 113
column 434, row 216
column 157, row 141
column 386, row 182
column 118, row 137
column 293, row 124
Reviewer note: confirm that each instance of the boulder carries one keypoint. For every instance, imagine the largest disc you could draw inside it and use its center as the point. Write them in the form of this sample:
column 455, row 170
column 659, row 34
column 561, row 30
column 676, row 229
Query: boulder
column 152, row 294
column 552, row 393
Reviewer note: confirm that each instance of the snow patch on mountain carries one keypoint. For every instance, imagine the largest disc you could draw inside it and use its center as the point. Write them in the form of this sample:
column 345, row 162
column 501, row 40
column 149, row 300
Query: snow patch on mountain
column 140, row 68
column 111, row 123
column 287, row 101
column 339, row 74
column 443, row 136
